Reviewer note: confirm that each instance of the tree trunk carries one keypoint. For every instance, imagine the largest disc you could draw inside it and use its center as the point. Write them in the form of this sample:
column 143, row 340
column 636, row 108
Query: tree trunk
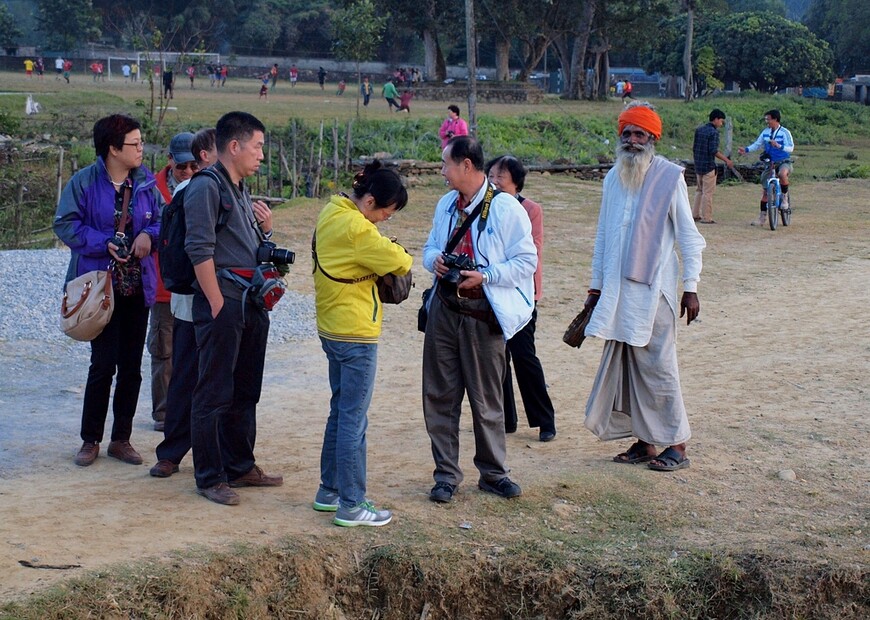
column 502, row 60
column 577, row 77
column 687, row 51
column 535, row 52
column 436, row 68
column 604, row 85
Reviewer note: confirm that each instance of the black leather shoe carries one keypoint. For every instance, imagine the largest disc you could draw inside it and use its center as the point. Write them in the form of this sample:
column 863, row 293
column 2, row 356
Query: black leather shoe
column 87, row 453
column 547, row 435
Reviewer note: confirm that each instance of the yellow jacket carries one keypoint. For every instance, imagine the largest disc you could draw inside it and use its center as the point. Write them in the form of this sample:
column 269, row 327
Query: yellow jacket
column 350, row 247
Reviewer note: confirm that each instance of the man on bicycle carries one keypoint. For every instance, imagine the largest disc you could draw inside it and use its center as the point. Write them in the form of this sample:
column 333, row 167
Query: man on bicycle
column 778, row 146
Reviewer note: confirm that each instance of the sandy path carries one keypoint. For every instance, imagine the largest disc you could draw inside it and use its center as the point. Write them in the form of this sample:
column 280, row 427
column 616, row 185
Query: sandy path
column 774, row 376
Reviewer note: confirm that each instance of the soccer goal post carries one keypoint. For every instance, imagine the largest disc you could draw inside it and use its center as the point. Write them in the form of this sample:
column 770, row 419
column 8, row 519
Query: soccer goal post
column 178, row 61
column 115, row 64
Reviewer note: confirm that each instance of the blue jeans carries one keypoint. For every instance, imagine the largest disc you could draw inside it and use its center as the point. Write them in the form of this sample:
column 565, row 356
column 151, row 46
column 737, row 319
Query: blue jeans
column 352, row 369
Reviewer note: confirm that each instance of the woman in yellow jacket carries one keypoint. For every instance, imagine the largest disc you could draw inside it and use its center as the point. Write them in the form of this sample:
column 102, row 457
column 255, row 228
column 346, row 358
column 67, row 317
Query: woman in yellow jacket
column 348, row 250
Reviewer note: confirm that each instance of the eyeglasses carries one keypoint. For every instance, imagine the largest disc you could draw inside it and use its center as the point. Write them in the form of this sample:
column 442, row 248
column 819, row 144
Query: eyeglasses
column 191, row 164
column 136, row 145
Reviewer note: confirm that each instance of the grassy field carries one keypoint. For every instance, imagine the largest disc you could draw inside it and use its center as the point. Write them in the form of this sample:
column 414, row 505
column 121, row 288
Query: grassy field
column 575, row 131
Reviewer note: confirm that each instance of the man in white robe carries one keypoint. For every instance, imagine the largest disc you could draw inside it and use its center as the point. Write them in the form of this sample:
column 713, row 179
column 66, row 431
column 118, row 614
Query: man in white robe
column 645, row 215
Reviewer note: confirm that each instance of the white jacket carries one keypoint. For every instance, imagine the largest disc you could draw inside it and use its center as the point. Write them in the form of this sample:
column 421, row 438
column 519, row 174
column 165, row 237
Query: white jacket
column 505, row 250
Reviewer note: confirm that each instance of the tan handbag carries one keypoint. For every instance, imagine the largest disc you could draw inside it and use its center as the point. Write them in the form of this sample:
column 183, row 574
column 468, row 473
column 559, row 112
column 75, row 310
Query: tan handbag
column 93, row 302
column 93, row 295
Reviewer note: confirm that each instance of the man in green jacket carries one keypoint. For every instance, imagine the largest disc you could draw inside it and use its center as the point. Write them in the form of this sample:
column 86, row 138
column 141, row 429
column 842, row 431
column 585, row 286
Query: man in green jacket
column 390, row 94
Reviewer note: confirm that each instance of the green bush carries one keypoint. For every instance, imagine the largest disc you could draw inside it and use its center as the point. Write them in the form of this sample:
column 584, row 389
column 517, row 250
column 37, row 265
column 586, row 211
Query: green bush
column 8, row 123
column 853, row 171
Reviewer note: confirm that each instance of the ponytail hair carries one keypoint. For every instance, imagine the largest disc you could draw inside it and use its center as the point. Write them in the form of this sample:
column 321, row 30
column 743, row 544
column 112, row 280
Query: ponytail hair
column 384, row 185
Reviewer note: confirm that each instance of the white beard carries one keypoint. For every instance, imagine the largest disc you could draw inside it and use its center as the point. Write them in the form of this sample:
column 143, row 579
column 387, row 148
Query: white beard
column 632, row 164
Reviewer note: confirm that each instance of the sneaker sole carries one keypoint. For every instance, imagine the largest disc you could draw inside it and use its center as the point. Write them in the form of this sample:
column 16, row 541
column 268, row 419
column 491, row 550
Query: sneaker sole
column 324, row 507
column 346, row 523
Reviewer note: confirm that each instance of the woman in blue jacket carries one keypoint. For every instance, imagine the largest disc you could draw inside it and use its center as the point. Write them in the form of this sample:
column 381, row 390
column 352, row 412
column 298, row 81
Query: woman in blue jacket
column 88, row 218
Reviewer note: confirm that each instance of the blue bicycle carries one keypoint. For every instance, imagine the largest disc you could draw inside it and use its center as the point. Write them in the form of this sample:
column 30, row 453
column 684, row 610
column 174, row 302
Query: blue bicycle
column 775, row 208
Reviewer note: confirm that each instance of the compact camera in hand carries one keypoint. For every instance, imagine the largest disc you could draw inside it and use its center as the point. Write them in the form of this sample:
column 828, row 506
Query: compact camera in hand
column 456, row 263
column 268, row 252
column 123, row 244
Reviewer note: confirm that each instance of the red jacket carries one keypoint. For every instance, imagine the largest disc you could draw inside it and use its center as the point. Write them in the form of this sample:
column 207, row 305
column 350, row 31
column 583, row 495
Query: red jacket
column 163, row 296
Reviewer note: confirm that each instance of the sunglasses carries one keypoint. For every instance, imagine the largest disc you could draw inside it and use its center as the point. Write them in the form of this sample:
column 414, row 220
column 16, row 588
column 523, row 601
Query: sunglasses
column 191, row 164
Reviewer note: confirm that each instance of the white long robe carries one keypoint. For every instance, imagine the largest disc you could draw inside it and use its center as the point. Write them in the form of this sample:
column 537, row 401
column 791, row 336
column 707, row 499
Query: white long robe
column 626, row 310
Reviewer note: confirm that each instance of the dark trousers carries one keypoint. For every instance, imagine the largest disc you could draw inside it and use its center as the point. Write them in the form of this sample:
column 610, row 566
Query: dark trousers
column 185, row 371
column 530, row 378
column 120, row 348
column 223, row 425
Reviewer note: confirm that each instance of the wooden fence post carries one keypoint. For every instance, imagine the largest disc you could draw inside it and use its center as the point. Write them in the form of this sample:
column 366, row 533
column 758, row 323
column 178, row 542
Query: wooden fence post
column 335, row 153
column 293, row 176
column 59, row 175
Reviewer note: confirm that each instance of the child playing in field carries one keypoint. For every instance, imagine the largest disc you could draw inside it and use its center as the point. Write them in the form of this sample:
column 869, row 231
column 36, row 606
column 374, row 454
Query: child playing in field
column 264, row 89
column 405, row 101
column 342, row 85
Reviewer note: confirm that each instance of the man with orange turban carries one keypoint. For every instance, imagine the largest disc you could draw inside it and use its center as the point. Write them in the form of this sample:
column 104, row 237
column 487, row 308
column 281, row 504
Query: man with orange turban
column 645, row 215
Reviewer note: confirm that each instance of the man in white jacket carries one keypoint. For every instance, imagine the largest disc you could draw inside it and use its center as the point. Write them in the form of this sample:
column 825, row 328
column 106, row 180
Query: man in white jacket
column 472, row 312
column 645, row 214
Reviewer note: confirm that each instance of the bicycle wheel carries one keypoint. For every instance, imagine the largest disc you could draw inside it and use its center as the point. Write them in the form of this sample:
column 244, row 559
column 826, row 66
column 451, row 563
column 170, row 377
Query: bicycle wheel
column 772, row 206
column 786, row 213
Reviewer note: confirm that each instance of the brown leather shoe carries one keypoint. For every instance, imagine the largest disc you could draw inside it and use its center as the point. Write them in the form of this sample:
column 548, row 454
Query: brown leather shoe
column 87, row 453
column 164, row 468
column 220, row 493
column 123, row 451
column 257, row 478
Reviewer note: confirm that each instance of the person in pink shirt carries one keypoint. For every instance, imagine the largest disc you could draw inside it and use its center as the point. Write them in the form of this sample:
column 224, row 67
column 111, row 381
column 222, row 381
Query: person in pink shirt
column 452, row 125
column 508, row 174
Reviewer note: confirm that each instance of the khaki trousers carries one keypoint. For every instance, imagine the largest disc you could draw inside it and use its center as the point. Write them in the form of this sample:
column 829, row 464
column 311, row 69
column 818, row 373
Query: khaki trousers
column 703, row 206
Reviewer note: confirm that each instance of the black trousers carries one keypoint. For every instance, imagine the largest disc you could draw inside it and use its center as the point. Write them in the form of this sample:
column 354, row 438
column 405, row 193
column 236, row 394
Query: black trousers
column 179, row 396
column 223, row 425
column 120, row 348
column 530, row 378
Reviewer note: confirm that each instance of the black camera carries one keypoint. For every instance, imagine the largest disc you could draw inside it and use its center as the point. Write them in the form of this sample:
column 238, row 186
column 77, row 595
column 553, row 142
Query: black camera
column 456, row 263
column 123, row 243
column 268, row 252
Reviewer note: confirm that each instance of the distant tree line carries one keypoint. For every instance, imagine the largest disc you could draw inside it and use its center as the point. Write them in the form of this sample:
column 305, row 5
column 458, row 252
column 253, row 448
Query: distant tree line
column 706, row 41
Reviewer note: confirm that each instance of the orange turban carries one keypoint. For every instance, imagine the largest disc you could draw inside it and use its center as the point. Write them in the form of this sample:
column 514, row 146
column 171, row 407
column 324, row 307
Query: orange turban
column 643, row 117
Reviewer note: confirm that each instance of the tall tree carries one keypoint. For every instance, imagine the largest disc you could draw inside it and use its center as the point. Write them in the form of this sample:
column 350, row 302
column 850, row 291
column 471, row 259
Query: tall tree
column 689, row 6
column 844, row 24
column 68, row 23
column 9, row 32
column 358, row 30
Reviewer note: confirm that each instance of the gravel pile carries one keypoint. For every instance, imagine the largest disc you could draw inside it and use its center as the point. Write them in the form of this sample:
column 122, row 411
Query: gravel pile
column 31, row 282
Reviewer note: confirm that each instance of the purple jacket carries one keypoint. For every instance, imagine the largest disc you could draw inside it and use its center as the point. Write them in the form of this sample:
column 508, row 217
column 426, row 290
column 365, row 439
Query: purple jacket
column 85, row 220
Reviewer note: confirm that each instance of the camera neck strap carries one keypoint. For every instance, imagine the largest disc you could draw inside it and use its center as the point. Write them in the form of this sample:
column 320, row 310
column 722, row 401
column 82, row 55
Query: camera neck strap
column 482, row 210
column 125, row 207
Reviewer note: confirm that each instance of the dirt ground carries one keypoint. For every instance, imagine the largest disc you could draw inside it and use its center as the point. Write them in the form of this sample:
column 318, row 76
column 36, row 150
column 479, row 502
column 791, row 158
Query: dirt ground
column 774, row 376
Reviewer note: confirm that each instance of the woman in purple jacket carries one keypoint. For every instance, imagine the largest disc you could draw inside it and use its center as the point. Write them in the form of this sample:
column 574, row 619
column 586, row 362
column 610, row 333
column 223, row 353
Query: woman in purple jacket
column 87, row 220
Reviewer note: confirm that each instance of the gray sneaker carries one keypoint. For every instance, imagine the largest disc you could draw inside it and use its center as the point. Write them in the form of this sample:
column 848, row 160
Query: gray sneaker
column 325, row 501
column 363, row 513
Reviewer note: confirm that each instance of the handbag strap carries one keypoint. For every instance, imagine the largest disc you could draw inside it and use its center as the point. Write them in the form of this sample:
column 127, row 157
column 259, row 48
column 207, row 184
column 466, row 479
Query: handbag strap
column 317, row 265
